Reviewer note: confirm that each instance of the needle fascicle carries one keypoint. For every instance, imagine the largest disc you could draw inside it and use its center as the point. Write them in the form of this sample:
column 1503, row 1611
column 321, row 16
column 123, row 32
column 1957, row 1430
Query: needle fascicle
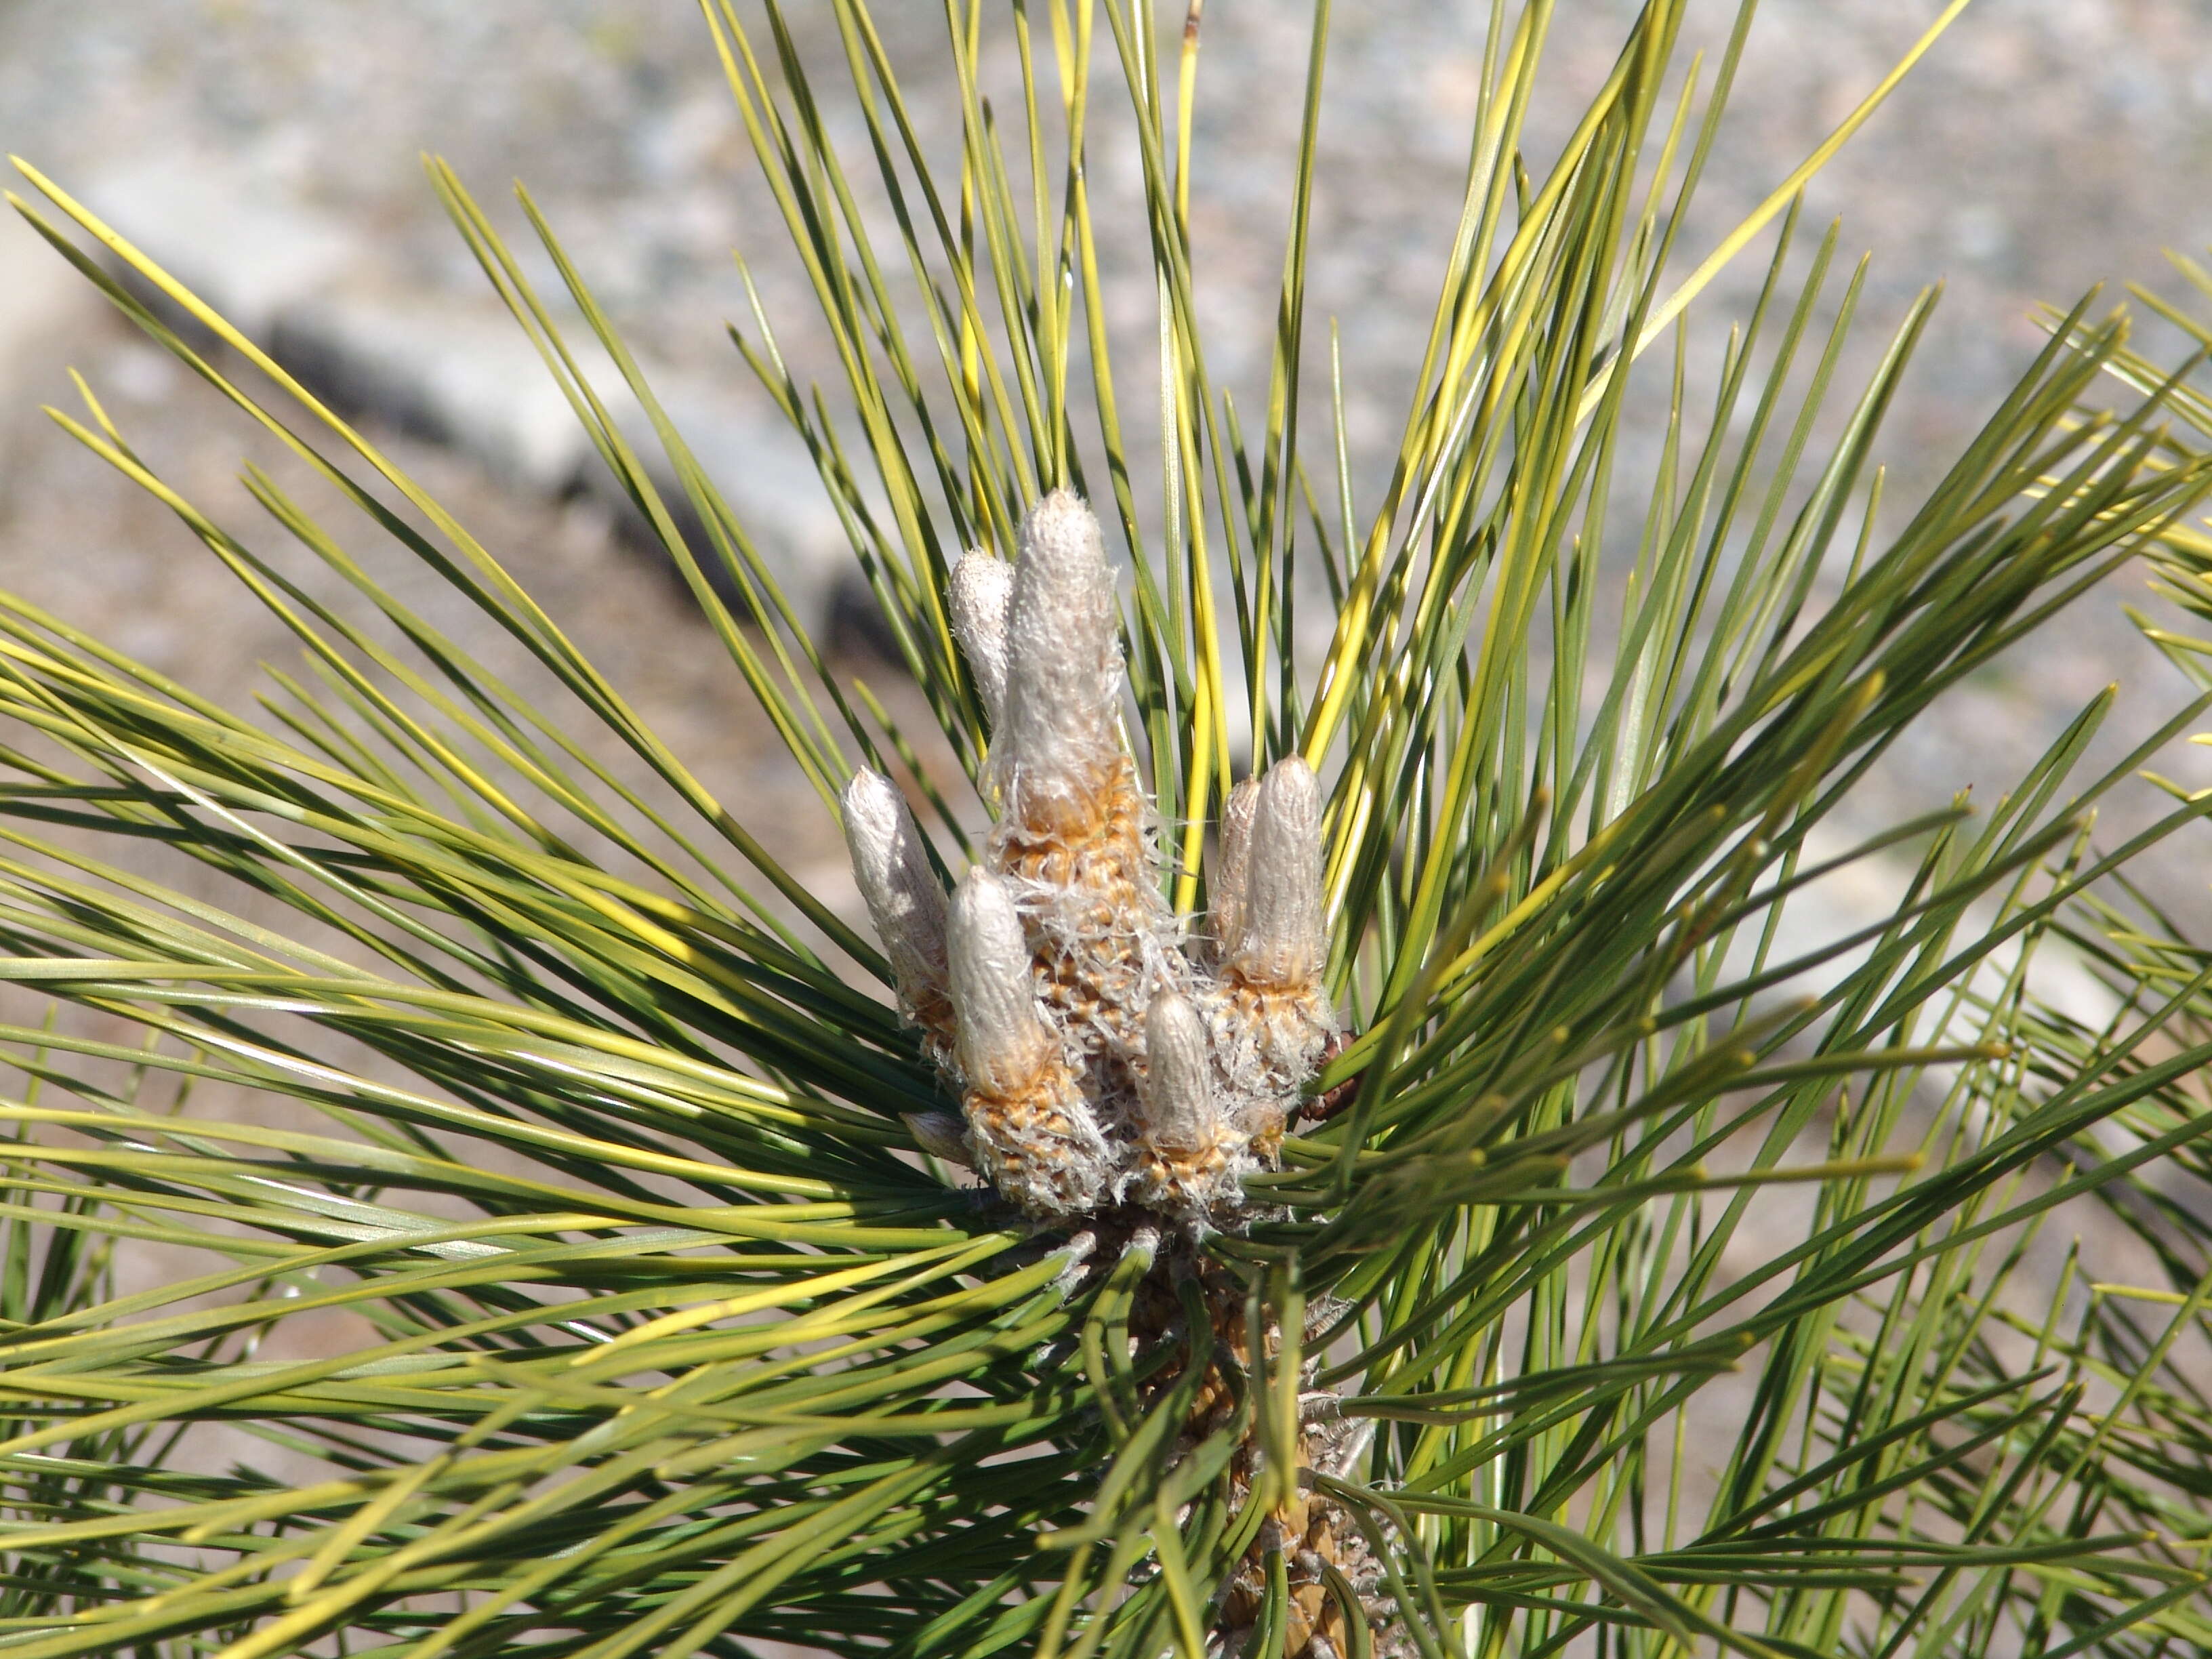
column 941, row 1135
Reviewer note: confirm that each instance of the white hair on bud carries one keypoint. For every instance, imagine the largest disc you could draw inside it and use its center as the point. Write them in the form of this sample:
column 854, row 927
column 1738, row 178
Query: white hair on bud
column 1179, row 1111
column 1034, row 1135
column 1226, row 891
column 1003, row 1039
column 1059, row 742
column 941, row 1134
column 905, row 902
column 981, row 593
column 1280, row 942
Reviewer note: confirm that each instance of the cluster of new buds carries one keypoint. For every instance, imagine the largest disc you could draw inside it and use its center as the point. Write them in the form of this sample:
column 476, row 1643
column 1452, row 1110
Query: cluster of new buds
column 1105, row 1051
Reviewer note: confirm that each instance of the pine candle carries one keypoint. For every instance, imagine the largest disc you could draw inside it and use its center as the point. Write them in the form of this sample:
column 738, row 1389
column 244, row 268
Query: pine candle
column 1105, row 1050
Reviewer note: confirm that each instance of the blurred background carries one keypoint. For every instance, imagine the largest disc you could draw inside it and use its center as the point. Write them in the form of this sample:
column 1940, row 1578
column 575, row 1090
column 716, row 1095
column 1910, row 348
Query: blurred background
column 269, row 151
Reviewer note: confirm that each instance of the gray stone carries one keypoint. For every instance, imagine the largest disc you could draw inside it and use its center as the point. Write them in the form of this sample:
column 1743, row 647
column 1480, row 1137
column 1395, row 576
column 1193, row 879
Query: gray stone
column 463, row 372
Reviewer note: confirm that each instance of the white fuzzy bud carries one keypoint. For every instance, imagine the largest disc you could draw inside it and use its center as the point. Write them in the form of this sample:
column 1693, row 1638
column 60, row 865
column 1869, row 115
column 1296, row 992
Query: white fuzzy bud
column 940, row 1134
column 1226, row 892
column 1035, row 1136
column 1002, row 1039
column 1280, row 942
column 1180, row 1110
column 1060, row 743
column 904, row 900
column 982, row 591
